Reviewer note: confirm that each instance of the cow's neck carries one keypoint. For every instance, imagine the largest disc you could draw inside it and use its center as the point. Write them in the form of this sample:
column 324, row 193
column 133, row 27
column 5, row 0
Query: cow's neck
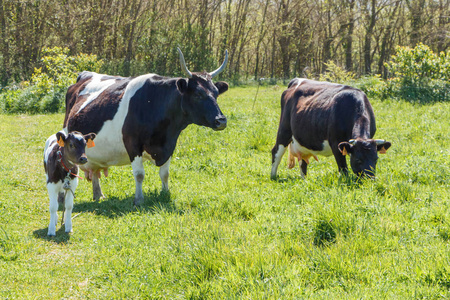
column 65, row 163
column 361, row 129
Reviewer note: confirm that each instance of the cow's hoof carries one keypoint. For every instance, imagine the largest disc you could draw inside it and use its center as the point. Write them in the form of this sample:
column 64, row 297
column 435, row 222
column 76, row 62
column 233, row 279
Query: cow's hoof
column 50, row 235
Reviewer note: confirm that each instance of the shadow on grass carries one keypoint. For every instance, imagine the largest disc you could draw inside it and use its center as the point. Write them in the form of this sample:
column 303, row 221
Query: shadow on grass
column 61, row 236
column 114, row 207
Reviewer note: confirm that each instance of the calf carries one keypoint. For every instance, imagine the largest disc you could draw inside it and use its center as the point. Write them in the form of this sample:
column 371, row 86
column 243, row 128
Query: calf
column 62, row 154
column 323, row 118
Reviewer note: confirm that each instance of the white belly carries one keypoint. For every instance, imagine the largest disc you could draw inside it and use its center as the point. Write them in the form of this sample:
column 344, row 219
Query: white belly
column 296, row 148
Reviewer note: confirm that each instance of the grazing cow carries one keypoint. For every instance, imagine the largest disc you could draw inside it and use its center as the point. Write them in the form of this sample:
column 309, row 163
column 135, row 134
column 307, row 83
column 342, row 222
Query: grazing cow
column 140, row 118
column 62, row 154
column 322, row 118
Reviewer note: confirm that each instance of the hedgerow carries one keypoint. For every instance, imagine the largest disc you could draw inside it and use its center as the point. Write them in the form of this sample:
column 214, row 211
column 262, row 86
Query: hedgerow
column 45, row 92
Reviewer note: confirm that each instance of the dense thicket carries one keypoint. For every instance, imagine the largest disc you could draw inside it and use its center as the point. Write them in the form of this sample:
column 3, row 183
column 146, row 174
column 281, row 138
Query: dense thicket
column 277, row 39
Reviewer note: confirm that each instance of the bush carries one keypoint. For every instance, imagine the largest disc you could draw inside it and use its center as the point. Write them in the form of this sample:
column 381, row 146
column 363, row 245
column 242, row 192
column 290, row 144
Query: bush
column 336, row 74
column 46, row 91
column 419, row 74
column 373, row 86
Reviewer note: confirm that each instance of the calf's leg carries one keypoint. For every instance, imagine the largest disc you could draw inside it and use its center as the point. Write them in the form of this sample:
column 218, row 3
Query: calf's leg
column 53, row 190
column 68, row 203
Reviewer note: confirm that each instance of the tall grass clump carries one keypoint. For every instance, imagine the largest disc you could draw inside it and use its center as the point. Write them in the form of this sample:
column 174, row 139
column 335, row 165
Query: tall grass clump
column 45, row 92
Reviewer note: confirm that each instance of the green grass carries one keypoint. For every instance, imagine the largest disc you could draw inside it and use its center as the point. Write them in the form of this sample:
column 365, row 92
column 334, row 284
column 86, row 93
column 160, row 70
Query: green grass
column 227, row 231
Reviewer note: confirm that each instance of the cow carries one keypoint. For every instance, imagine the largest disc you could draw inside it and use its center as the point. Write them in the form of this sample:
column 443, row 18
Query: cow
column 140, row 118
column 62, row 154
column 323, row 118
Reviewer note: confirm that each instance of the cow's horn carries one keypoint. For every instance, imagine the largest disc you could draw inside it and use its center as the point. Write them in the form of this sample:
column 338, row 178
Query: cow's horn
column 222, row 67
column 353, row 142
column 183, row 64
column 380, row 142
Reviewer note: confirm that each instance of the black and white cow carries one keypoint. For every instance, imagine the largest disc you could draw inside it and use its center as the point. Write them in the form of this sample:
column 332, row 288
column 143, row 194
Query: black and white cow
column 140, row 118
column 322, row 118
column 62, row 154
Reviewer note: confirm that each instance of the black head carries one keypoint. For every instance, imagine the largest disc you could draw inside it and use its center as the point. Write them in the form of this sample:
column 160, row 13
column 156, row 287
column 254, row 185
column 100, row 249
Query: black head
column 199, row 100
column 364, row 154
column 199, row 96
column 74, row 145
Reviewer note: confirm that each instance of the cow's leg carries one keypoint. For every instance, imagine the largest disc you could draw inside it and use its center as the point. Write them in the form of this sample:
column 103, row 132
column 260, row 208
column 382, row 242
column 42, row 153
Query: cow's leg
column 53, row 190
column 96, row 189
column 164, row 175
column 340, row 160
column 139, row 173
column 284, row 138
column 303, row 167
column 277, row 155
column 68, row 204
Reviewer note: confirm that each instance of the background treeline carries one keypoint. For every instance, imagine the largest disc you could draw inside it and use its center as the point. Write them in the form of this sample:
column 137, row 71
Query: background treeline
column 265, row 38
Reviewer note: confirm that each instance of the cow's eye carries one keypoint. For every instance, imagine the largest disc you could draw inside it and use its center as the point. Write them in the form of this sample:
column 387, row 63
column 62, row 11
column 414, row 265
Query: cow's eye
column 71, row 146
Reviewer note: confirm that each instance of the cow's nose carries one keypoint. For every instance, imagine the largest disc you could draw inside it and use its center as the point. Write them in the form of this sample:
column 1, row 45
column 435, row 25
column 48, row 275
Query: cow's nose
column 221, row 123
column 82, row 160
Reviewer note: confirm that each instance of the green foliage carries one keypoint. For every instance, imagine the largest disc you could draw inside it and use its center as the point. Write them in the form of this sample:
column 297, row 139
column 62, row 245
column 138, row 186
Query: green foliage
column 419, row 74
column 335, row 73
column 373, row 86
column 46, row 90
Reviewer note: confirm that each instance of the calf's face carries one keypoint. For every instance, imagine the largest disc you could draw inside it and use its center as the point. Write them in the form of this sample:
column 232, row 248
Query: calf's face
column 74, row 145
column 364, row 154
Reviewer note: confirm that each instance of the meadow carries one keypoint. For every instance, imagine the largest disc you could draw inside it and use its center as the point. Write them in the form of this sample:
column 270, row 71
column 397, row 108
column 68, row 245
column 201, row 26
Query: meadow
column 226, row 230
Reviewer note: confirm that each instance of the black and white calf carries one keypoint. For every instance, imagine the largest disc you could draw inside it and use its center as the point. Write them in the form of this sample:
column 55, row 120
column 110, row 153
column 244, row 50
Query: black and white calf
column 62, row 154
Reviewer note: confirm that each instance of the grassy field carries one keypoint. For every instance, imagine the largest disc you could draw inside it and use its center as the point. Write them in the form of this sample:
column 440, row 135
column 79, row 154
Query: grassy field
column 227, row 231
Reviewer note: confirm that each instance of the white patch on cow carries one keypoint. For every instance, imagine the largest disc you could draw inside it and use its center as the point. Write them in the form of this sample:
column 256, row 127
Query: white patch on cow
column 79, row 137
column 277, row 160
column 94, row 88
column 139, row 174
column 49, row 147
column 299, row 81
column 109, row 148
column 296, row 148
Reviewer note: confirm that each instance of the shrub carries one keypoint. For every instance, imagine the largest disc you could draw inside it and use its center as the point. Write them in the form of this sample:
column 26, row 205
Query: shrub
column 334, row 73
column 45, row 92
column 419, row 74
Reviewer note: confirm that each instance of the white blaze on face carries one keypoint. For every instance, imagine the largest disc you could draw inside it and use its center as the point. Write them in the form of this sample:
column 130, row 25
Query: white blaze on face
column 95, row 88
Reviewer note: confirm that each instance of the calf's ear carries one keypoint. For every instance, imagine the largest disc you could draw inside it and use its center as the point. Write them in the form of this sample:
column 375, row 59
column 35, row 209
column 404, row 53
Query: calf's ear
column 90, row 139
column 345, row 148
column 382, row 148
column 222, row 86
column 61, row 138
column 182, row 85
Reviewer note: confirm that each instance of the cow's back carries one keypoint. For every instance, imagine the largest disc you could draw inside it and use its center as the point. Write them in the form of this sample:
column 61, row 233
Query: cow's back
column 326, row 109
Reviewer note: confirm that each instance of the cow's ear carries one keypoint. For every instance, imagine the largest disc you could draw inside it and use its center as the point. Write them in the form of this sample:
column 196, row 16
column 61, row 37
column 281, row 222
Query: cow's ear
column 222, row 86
column 61, row 138
column 182, row 85
column 345, row 148
column 382, row 148
column 90, row 139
